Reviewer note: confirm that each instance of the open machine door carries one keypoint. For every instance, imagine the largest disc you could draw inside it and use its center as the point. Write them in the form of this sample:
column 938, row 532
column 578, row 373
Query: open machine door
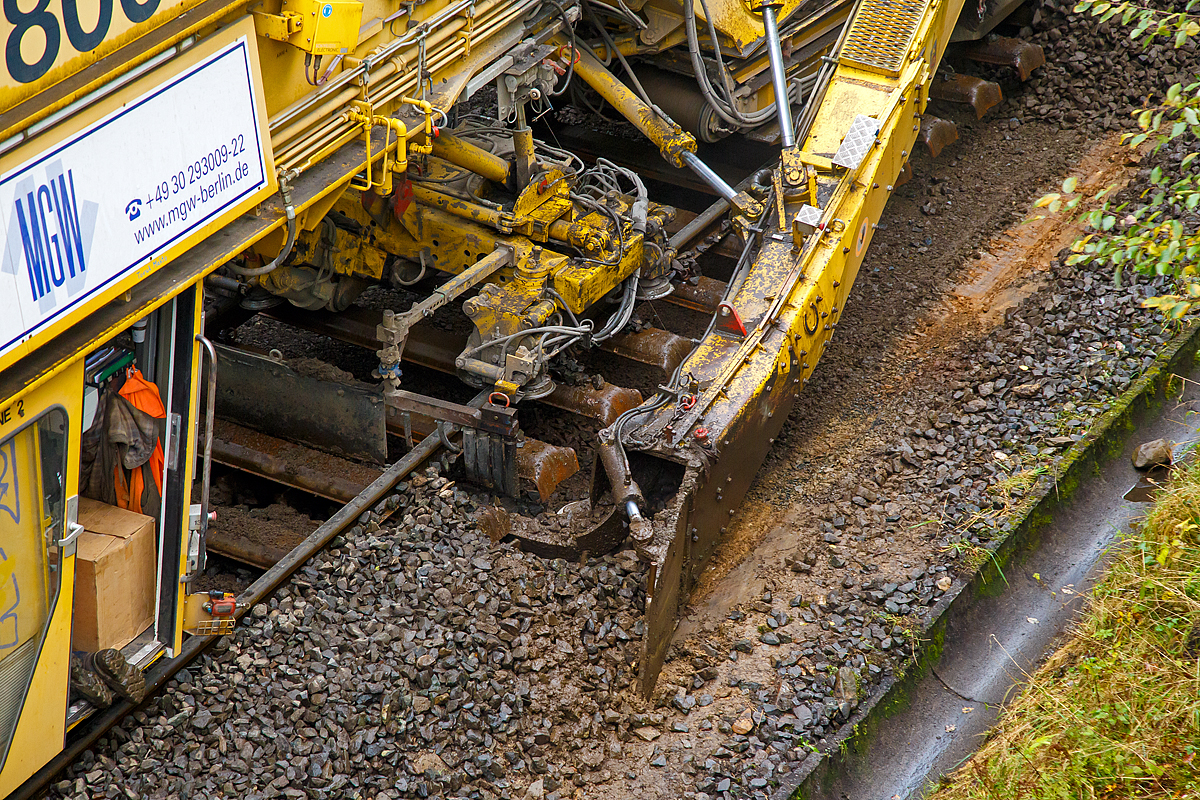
column 38, row 533
column 81, row 571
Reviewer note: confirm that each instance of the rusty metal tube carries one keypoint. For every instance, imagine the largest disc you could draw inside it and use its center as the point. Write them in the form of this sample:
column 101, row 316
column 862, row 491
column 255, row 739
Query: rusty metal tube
column 616, row 466
column 684, row 236
column 462, row 153
column 670, row 139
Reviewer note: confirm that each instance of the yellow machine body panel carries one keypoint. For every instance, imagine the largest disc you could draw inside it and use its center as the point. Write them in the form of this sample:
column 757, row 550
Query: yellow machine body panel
column 24, row 565
column 49, row 41
column 124, row 187
column 38, row 431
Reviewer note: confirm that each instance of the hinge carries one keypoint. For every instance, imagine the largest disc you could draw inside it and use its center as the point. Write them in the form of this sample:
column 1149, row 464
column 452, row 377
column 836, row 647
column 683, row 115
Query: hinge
column 173, row 442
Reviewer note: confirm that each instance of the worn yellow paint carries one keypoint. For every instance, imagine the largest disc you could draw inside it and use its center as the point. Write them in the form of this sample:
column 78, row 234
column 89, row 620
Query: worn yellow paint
column 670, row 139
column 452, row 234
column 41, row 726
column 792, row 298
column 739, row 28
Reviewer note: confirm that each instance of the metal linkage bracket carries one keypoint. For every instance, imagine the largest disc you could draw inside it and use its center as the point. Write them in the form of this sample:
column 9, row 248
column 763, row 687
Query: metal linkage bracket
column 491, row 435
column 729, row 321
column 491, row 418
column 393, row 331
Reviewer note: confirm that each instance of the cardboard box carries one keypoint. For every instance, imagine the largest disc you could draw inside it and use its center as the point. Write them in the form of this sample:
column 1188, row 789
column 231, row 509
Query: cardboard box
column 115, row 566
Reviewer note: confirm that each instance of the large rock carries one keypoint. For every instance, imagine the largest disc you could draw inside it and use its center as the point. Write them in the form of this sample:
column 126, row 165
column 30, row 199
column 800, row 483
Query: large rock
column 1152, row 454
column 846, row 686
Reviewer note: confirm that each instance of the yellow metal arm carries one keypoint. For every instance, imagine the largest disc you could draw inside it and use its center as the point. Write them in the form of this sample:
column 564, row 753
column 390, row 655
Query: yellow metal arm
column 468, row 156
column 670, row 139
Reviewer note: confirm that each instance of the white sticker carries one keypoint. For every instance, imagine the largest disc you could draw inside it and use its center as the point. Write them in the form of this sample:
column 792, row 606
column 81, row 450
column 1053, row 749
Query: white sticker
column 124, row 190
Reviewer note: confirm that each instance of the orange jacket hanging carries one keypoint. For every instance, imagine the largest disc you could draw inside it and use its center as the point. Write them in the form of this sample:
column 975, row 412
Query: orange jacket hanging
column 142, row 395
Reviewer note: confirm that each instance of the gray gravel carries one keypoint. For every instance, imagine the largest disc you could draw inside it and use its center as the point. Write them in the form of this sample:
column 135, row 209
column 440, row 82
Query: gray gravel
column 417, row 659
column 410, row 660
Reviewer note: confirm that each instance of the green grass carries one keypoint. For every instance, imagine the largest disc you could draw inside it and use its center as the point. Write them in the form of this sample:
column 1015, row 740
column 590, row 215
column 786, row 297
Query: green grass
column 1115, row 713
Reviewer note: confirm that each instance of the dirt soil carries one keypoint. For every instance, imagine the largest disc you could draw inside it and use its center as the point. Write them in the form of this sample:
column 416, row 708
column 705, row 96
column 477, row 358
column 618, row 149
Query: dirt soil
column 954, row 258
column 255, row 523
column 962, row 285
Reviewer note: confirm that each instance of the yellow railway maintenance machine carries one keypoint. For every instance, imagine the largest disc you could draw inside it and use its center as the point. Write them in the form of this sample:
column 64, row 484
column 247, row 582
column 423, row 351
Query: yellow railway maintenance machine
column 144, row 145
column 98, row 203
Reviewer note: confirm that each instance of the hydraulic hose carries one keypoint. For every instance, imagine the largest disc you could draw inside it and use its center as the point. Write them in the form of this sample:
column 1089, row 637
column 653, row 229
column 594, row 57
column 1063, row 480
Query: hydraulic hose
column 285, row 192
column 725, row 111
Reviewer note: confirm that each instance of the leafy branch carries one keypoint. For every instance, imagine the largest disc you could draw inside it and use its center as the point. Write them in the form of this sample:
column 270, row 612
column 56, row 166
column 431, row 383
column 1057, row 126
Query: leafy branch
column 1158, row 234
column 1148, row 23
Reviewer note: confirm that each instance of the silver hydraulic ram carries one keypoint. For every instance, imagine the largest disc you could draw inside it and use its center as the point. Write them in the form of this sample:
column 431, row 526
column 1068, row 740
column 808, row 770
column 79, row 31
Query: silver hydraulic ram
column 787, row 134
column 676, row 145
column 705, row 173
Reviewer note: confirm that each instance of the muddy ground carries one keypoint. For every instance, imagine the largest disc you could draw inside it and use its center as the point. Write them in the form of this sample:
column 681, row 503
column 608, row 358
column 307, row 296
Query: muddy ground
column 967, row 358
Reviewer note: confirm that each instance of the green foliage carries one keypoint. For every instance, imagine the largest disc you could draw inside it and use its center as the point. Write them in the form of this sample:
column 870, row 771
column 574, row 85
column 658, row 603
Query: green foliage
column 1148, row 235
column 1147, row 23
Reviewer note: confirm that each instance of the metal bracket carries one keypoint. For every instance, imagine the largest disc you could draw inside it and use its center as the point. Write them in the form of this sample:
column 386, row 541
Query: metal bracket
column 393, row 331
column 490, row 418
column 515, row 85
column 729, row 321
column 491, row 434
column 195, row 551
column 278, row 27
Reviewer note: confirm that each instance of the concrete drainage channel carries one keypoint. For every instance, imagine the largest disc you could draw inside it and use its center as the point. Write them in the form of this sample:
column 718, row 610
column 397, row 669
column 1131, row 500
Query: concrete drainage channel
column 998, row 624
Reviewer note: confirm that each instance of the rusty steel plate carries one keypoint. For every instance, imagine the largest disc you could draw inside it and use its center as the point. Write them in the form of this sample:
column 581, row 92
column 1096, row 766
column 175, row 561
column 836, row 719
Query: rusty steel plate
column 267, row 395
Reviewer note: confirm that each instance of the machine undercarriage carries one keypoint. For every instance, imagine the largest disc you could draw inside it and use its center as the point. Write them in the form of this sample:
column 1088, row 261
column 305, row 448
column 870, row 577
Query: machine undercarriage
column 519, row 259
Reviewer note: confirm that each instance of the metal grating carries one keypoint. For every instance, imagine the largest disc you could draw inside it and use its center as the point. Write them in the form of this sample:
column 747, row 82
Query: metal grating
column 217, row 626
column 881, row 34
column 16, row 669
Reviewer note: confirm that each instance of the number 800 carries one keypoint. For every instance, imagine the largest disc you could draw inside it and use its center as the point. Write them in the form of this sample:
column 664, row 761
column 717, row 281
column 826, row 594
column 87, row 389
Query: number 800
column 82, row 41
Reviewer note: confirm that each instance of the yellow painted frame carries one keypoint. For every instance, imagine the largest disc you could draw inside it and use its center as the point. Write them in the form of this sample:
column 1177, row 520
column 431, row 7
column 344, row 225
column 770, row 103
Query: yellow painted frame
column 77, row 122
column 188, row 443
column 42, row 723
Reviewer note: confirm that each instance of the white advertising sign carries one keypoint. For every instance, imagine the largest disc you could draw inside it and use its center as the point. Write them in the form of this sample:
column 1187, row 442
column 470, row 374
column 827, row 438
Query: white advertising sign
column 124, row 190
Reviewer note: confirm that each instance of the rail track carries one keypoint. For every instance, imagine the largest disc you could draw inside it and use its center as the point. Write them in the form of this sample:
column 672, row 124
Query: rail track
column 706, row 628
column 759, row 581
